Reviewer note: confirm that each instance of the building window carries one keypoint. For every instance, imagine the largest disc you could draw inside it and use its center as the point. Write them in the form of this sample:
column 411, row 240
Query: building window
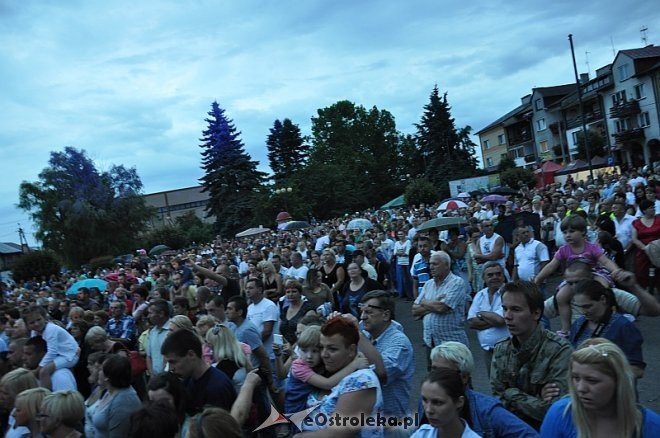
column 622, row 125
column 501, row 139
column 540, row 124
column 538, row 104
column 489, row 162
column 486, row 144
column 639, row 91
column 544, row 146
column 623, row 72
column 643, row 120
column 619, row 97
column 575, row 134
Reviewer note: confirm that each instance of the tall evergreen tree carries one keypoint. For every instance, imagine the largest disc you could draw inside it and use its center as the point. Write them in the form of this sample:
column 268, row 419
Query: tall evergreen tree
column 287, row 151
column 447, row 153
column 232, row 179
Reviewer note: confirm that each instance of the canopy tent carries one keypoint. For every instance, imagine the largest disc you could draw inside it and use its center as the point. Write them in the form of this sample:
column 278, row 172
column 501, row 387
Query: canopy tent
column 573, row 166
column 396, row 202
column 546, row 173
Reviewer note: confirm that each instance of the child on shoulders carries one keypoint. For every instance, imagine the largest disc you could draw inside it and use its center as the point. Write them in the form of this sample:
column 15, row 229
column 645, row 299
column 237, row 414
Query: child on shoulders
column 62, row 349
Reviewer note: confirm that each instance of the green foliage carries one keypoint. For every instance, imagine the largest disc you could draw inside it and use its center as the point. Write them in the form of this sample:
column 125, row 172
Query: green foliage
column 447, row 153
column 101, row 262
column 81, row 212
column 596, row 145
column 35, row 264
column 353, row 161
column 231, row 178
column 194, row 230
column 511, row 177
column 287, row 151
column 420, row 191
column 169, row 235
column 506, row 163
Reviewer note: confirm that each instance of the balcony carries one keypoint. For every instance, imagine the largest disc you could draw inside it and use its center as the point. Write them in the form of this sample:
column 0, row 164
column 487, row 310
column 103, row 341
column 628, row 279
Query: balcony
column 625, row 109
column 629, row 135
column 590, row 117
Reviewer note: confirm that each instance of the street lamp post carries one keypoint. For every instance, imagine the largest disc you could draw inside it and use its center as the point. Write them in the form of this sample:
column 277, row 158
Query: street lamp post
column 284, row 191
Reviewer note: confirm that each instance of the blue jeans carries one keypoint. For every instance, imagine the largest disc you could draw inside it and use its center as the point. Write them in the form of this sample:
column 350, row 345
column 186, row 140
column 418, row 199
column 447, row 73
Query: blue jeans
column 403, row 281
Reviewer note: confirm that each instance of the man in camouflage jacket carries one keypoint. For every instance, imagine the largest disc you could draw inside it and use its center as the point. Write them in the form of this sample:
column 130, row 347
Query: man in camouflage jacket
column 525, row 365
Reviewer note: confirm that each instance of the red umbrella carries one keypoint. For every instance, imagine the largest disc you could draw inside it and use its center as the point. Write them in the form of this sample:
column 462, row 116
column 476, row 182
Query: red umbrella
column 114, row 276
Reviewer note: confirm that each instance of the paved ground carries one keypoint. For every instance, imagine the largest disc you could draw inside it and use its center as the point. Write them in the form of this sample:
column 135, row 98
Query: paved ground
column 649, row 385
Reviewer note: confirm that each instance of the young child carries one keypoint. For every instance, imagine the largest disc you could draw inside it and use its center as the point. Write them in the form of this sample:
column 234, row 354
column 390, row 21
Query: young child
column 305, row 374
column 62, row 348
column 574, row 228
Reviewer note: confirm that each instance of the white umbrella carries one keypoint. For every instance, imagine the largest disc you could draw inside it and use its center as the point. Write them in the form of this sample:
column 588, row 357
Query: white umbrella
column 464, row 195
column 452, row 204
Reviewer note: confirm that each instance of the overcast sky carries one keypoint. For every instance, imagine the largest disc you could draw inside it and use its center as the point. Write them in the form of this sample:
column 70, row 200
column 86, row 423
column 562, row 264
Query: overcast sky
column 131, row 81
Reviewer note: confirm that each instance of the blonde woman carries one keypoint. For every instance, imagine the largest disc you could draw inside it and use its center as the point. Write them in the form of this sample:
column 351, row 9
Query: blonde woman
column 601, row 400
column 228, row 355
column 272, row 280
column 12, row 384
column 61, row 413
column 26, row 408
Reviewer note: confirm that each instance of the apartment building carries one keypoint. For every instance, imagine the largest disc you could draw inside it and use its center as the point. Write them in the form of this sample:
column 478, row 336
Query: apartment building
column 632, row 104
column 620, row 104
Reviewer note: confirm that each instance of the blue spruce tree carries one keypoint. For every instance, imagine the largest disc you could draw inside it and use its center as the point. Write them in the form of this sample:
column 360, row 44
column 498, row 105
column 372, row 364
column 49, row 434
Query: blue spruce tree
column 231, row 177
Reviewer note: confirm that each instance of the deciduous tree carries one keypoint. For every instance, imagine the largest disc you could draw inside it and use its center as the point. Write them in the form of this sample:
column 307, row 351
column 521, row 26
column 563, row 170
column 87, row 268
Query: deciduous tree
column 80, row 212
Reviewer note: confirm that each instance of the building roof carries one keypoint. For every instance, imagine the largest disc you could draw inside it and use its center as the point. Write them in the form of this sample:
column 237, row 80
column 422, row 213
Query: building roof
column 649, row 51
column 518, row 110
column 557, row 90
column 9, row 248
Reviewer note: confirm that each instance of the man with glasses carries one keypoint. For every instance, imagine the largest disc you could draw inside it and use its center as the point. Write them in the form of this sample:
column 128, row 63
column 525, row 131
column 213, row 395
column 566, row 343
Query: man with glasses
column 396, row 351
column 486, row 314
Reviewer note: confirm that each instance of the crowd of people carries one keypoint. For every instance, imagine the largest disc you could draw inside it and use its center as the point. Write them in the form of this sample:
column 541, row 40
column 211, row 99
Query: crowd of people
column 219, row 339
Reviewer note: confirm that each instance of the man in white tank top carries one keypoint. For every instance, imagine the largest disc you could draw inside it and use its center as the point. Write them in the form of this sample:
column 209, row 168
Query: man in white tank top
column 491, row 247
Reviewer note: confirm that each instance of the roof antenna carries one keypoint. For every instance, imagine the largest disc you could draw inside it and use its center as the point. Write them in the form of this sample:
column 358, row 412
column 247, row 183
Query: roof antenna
column 586, row 55
column 642, row 31
column 612, row 42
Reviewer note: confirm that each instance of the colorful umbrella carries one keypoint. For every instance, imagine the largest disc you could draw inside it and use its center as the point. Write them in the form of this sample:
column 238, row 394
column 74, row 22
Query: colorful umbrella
column 452, row 205
column 88, row 283
column 114, row 276
column 359, row 224
column 495, row 199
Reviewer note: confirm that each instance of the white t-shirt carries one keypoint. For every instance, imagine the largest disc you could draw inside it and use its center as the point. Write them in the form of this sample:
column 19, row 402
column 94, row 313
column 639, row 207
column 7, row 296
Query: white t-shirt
column 63, row 379
column 262, row 312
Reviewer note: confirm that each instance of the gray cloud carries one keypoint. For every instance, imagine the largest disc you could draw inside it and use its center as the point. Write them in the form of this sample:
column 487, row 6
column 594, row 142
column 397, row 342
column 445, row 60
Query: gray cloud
column 131, row 82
